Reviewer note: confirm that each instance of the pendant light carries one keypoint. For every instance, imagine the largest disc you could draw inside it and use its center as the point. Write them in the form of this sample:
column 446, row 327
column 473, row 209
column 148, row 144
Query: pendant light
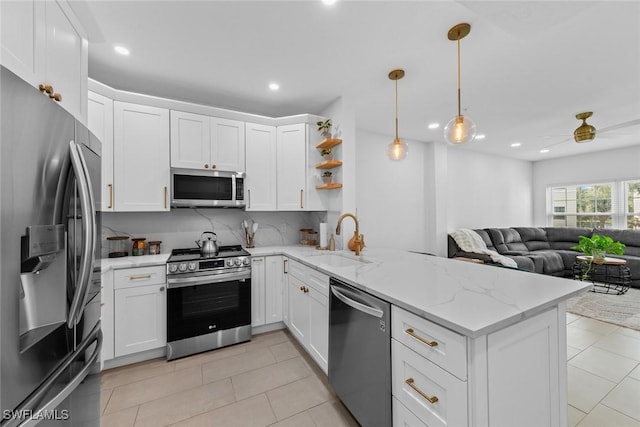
column 460, row 129
column 397, row 149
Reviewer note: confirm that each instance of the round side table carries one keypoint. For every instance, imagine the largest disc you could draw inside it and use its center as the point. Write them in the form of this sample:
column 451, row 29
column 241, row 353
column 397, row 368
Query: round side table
column 609, row 277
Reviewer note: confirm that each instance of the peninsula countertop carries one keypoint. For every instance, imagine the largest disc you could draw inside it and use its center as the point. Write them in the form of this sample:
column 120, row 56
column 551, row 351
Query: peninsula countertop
column 471, row 299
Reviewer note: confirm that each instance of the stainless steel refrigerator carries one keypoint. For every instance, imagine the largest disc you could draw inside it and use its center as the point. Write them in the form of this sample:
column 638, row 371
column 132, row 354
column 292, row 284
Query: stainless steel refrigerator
column 50, row 336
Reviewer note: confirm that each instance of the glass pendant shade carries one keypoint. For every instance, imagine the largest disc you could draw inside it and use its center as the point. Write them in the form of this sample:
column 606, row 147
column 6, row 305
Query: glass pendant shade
column 460, row 130
column 397, row 150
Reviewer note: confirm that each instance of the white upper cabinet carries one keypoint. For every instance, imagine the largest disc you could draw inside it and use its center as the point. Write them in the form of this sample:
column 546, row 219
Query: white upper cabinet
column 203, row 142
column 43, row 43
column 292, row 166
column 261, row 167
column 140, row 158
column 100, row 123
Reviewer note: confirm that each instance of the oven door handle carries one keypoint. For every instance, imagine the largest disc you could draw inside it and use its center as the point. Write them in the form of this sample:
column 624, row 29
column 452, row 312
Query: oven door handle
column 204, row 280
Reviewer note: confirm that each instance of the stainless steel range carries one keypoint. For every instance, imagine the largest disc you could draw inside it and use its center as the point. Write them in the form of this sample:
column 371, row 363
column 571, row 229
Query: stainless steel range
column 208, row 300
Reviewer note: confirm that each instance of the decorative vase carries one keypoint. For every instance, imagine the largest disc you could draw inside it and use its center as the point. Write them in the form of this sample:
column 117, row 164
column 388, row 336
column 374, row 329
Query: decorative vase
column 598, row 256
column 327, row 157
column 327, row 179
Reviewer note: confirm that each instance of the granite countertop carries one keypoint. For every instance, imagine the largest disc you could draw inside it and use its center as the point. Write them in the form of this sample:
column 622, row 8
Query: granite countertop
column 471, row 299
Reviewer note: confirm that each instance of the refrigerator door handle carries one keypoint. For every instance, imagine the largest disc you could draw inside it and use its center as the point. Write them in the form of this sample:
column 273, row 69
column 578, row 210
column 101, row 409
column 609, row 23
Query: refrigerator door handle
column 87, row 259
column 36, row 415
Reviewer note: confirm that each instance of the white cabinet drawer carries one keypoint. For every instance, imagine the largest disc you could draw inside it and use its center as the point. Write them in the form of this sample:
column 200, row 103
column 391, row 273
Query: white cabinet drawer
column 415, row 380
column 443, row 347
column 318, row 281
column 402, row 417
column 297, row 270
column 140, row 276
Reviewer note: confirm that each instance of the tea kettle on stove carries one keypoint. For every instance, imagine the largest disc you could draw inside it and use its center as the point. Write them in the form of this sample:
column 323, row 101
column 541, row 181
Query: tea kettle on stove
column 208, row 247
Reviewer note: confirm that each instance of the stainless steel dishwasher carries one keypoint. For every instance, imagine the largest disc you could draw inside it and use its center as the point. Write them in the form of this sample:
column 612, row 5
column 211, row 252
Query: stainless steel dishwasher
column 360, row 353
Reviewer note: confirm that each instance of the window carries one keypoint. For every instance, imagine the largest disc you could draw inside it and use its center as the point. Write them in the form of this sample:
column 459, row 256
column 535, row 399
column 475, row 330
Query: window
column 597, row 205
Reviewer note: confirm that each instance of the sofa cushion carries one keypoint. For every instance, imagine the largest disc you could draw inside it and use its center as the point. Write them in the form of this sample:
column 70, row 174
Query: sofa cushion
column 487, row 239
column 631, row 239
column 507, row 241
column 534, row 238
column 552, row 263
column 565, row 238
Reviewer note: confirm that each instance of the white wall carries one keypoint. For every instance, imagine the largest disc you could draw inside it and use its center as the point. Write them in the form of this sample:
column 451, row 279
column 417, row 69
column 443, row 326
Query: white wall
column 602, row 166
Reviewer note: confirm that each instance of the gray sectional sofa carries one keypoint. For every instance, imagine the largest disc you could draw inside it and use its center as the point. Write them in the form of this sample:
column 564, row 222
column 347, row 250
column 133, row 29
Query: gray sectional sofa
column 547, row 250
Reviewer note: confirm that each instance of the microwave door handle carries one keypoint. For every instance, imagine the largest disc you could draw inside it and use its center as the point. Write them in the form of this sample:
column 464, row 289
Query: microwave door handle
column 88, row 221
column 30, row 405
column 234, row 188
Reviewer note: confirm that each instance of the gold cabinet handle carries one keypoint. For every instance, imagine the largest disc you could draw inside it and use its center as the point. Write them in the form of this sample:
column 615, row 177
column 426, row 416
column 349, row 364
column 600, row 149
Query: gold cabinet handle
column 306, row 290
column 419, row 338
column 140, row 277
column 213, row 166
column 430, row 399
column 301, row 197
column 302, row 288
column 56, row 97
column 206, row 165
column 285, row 264
column 110, row 187
column 48, row 89
column 165, row 197
column 249, row 199
column 162, row 289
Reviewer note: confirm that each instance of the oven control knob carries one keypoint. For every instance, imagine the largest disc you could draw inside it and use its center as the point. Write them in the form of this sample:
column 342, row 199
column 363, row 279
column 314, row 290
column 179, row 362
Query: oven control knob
column 246, row 261
column 182, row 267
column 229, row 263
column 192, row 266
column 238, row 262
column 173, row 268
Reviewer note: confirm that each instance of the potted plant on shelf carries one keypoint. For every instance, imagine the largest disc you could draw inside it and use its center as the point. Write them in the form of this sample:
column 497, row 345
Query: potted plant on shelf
column 326, row 153
column 327, row 177
column 324, row 127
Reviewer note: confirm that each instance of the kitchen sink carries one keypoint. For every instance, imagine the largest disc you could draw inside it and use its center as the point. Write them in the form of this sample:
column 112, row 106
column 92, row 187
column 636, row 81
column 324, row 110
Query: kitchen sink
column 336, row 260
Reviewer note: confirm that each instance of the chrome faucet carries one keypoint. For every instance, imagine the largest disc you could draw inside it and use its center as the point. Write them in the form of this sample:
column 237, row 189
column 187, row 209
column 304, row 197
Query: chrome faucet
column 356, row 243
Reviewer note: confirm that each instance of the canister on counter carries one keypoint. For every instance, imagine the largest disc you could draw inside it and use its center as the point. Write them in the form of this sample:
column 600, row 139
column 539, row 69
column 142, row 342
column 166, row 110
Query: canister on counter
column 154, row 247
column 139, row 246
column 118, row 246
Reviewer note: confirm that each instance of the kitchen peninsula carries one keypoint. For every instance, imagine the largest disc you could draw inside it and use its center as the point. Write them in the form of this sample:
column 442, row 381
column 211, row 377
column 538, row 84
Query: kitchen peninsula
column 500, row 357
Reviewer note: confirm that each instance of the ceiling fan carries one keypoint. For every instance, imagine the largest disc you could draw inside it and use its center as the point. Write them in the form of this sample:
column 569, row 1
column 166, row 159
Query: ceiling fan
column 586, row 132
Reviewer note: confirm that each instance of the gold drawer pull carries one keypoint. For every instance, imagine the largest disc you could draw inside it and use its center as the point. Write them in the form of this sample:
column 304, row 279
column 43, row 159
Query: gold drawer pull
column 140, row 277
column 430, row 399
column 419, row 338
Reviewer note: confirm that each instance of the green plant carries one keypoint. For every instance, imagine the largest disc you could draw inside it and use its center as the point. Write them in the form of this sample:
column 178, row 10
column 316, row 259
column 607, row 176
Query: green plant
column 595, row 244
column 327, row 173
column 324, row 126
column 325, row 151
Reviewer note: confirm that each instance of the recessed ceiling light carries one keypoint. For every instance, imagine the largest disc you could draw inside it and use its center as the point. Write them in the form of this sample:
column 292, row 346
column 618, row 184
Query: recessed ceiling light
column 274, row 86
column 434, row 125
column 481, row 136
column 328, row 2
column 122, row 50
column 516, row 144
column 544, row 150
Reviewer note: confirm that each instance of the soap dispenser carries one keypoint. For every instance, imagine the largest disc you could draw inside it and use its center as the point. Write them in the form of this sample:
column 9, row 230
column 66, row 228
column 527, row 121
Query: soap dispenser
column 332, row 243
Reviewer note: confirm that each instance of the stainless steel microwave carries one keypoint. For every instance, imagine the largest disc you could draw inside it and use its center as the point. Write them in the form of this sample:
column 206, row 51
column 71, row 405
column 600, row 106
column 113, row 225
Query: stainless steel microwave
column 206, row 189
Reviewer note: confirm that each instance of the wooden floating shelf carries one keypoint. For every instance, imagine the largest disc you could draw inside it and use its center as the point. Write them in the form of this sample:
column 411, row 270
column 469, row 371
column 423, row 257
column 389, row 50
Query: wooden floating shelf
column 329, row 164
column 329, row 186
column 329, row 143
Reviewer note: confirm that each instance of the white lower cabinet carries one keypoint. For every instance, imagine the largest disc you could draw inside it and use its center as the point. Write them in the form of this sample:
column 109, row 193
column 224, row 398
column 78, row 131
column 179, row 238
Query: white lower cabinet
column 140, row 310
column 308, row 310
column 106, row 316
column 511, row 377
column 266, row 290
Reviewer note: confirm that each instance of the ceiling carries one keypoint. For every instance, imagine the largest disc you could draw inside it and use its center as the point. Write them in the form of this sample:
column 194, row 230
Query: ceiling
column 527, row 66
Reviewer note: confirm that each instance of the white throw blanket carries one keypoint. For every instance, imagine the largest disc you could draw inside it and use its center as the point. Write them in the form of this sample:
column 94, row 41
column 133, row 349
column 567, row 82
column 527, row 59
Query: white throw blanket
column 470, row 241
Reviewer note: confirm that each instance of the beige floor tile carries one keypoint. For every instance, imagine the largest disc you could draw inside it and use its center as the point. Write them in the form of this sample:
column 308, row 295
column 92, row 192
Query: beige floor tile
column 283, row 351
column 298, row 396
column 601, row 416
column 209, row 356
column 621, row 344
column 105, row 395
column 187, row 404
column 265, row 340
column 572, row 351
column 131, row 373
column 594, row 325
column 303, row 419
column 635, row 373
column 574, row 416
column 581, row 338
column 123, row 418
column 154, row 388
column 229, row 366
column 252, row 412
column 270, row 377
column 629, row 332
column 332, row 414
column 603, row 363
column 625, row 398
column 586, row 389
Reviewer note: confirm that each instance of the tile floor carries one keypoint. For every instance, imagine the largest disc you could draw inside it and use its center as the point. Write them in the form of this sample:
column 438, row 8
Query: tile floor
column 272, row 381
